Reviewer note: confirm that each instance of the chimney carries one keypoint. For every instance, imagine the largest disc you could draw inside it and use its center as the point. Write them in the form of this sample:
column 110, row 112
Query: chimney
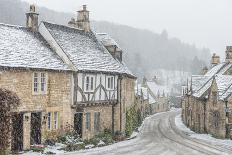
column 215, row 60
column 204, row 70
column 82, row 21
column 228, row 53
column 32, row 19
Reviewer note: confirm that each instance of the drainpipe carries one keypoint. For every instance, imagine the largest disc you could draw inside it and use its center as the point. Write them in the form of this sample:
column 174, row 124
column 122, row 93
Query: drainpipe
column 205, row 116
column 120, row 100
column 227, row 115
column 113, row 112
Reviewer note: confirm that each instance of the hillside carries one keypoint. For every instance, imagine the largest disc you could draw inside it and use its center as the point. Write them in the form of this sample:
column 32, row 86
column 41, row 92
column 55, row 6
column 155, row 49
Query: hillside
column 144, row 51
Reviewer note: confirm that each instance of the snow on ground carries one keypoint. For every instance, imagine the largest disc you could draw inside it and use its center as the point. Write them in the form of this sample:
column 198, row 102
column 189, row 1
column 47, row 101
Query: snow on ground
column 205, row 137
column 54, row 149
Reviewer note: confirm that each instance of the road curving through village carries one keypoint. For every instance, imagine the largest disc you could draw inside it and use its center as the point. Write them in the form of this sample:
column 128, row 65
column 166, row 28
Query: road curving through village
column 159, row 135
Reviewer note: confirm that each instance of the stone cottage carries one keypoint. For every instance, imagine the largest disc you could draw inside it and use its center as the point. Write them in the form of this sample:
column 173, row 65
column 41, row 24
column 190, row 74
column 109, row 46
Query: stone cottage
column 160, row 93
column 65, row 77
column 144, row 101
column 206, row 106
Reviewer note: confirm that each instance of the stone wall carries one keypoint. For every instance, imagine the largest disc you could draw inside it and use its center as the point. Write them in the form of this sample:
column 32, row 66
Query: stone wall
column 105, row 120
column 58, row 97
column 127, row 98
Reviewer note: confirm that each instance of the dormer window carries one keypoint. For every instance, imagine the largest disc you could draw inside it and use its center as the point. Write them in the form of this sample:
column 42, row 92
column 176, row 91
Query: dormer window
column 110, row 82
column 89, row 83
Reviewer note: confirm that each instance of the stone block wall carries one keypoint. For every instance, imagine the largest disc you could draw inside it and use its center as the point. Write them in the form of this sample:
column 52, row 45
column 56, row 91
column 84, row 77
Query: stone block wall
column 105, row 120
column 58, row 97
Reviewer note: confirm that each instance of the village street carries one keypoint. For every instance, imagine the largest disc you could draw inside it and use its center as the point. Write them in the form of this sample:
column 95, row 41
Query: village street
column 159, row 135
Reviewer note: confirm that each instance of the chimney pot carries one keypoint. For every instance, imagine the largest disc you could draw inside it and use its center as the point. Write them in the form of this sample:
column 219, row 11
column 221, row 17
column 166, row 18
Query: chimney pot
column 84, row 7
column 215, row 59
column 228, row 53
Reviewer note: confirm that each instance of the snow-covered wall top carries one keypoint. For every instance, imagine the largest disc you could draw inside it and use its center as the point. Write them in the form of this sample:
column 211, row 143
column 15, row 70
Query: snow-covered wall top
column 85, row 51
column 21, row 48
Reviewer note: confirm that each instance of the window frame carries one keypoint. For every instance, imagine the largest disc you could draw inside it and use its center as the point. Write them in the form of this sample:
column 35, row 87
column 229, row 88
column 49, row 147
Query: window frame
column 88, row 121
column 97, row 120
column 49, row 121
column 41, row 79
column 110, row 82
column 37, row 83
column 56, row 120
column 43, row 82
column 90, row 86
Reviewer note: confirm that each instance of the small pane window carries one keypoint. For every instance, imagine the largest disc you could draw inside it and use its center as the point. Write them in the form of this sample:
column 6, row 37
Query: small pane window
column 87, row 83
column 56, row 115
column 43, row 82
column 110, row 82
column 88, row 121
column 97, row 121
column 49, row 123
column 91, row 84
column 36, row 82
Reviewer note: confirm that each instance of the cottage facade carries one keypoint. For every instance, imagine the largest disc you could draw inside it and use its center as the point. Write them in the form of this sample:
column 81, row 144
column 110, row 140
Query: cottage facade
column 207, row 102
column 66, row 77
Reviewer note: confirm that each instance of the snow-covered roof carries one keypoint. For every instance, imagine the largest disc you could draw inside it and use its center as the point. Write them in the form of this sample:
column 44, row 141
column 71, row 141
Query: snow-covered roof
column 143, row 91
column 107, row 40
column 157, row 88
column 201, row 83
column 22, row 48
column 224, row 84
column 218, row 69
column 85, row 51
column 198, row 81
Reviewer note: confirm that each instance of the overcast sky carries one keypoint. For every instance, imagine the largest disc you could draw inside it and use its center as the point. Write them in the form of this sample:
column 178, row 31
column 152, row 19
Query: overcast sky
column 205, row 23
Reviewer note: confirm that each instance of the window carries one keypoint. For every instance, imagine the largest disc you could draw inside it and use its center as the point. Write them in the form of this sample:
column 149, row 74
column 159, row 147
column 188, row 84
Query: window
column 36, row 84
column 97, row 121
column 39, row 83
column 216, row 116
column 43, row 82
column 110, row 82
column 88, row 121
column 56, row 119
column 89, row 83
column 49, row 123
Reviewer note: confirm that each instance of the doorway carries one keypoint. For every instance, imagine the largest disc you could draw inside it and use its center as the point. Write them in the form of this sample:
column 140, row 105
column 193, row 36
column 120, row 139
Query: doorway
column 78, row 119
column 17, row 133
column 35, row 128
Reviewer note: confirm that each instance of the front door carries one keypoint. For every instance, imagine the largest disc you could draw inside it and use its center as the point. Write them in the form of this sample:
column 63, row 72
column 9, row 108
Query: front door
column 17, row 132
column 78, row 117
column 35, row 128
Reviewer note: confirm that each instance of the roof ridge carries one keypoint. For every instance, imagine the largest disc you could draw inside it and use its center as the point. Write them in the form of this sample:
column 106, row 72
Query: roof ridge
column 212, row 77
column 12, row 25
column 61, row 25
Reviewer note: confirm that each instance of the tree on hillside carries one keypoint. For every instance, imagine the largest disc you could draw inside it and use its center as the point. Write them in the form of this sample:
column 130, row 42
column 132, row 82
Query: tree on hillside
column 8, row 101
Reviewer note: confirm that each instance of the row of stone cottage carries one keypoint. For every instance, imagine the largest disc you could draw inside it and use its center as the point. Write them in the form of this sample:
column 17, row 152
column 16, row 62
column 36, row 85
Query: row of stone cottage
column 207, row 101
column 149, row 100
column 67, row 77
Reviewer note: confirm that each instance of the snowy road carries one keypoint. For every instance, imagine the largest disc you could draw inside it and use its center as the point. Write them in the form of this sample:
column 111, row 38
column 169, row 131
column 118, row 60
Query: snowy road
column 159, row 135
